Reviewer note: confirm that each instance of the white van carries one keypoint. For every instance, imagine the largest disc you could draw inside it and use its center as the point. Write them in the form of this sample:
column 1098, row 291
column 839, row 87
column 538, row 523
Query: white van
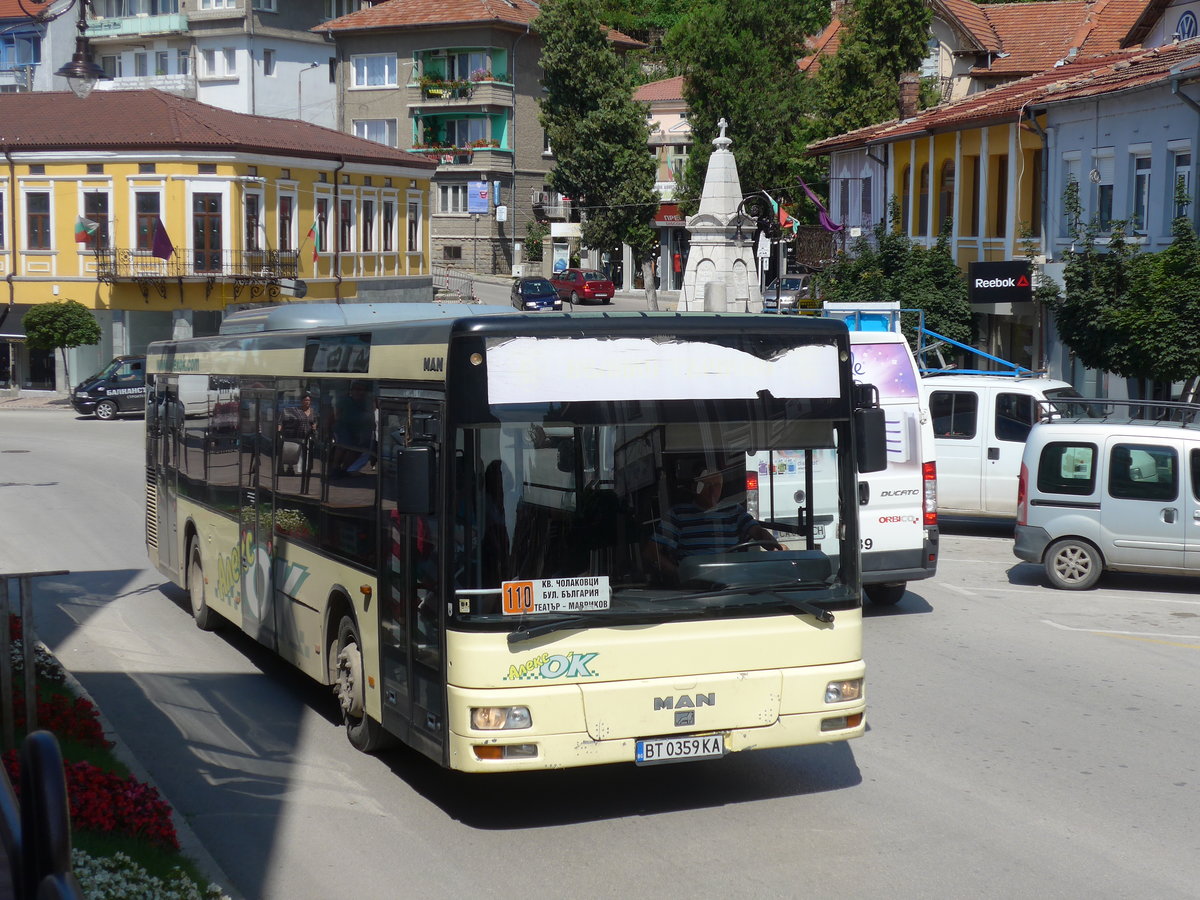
column 980, row 423
column 1112, row 493
column 898, row 506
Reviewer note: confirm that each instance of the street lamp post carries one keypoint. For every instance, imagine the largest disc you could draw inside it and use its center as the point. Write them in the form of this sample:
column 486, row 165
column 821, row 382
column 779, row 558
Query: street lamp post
column 82, row 72
column 300, row 90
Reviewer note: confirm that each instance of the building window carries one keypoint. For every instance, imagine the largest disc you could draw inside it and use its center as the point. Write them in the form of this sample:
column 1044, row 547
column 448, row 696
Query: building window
column 865, row 202
column 147, row 168
column 374, row 70
column 206, row 168
column 1182, row 166
column 336, row 8
column 368, row 226
column 37, row 220
column 37, row 169
column 923, row 199
column 382, row 131
column 218, row 4
column 149, row 208
column 1035, row 213
column 461, row 132
column 1072, row 169
column 95, row 168
column 111, row 66
column 389, row 226
column 1140, row 215
column 460, row 66
column 269, row 63
column 162, row 62
column 265, row 5
column 182, row 62
column 95, row 209
column 905, row 200
column 414, row 226
column 115, row 9
column 286, row 206
column 2, row 208
column 253, row 204
column 323, row 224
column 345, row 225
column 945, row 207
column 452, row 198
column 230, row 56
column 20, row 50
column 208, row 58
column 1000, row 197
column 452, row 252
column 140, row 65
column 1102, row 176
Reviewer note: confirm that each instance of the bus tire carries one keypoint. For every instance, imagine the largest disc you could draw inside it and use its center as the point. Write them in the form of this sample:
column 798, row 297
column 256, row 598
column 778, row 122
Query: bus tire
column 205, row 618
column 349, row 684
column 885, row 594
column 106, row 410
column 1073, row 564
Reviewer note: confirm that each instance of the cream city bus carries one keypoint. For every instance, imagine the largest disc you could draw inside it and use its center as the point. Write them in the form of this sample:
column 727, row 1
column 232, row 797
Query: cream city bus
column 520, row 542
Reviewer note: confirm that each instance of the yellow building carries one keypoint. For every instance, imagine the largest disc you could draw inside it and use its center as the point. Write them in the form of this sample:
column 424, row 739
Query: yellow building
column 159, row 213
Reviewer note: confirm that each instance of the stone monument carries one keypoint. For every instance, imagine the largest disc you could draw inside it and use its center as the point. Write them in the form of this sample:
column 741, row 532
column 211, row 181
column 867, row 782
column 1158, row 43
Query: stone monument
column 720, row 262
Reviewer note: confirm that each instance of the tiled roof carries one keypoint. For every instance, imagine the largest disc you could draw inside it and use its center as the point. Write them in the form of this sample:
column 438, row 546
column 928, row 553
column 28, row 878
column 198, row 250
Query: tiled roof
column 973, row 20
column 1120, row 71
column 141, row 120
column 1034, row 36
column 824, row 44
column 667, row 89
column 441, row 13
column 10, row 9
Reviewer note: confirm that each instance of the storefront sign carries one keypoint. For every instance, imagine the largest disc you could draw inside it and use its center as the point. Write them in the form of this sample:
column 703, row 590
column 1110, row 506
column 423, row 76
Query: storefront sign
column 668, row 214
column 999, row 282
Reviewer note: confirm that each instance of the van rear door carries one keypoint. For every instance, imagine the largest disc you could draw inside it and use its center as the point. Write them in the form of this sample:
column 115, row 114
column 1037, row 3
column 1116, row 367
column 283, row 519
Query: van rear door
column 1008, row 428
column 1142, row 523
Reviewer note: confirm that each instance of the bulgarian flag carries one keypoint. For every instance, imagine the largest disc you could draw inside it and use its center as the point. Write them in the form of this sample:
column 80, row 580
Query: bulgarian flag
column 315, row 236
column 84, row 229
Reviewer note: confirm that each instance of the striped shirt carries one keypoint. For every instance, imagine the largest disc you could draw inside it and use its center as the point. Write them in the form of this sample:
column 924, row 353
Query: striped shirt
column 688, row 530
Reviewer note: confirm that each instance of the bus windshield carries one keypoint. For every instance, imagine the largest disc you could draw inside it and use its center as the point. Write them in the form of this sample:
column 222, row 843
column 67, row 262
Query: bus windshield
column 645, row 511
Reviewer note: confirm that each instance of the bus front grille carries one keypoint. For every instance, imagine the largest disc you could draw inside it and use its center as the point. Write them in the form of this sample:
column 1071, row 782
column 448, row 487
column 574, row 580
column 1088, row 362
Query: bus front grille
column 151, row 510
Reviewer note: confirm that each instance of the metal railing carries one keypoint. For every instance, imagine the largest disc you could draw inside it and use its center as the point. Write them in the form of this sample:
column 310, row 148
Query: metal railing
column 122, row 263
column 451, row 279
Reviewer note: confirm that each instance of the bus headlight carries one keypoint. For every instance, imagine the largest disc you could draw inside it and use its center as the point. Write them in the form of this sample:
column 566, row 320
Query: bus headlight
column 842, row 691
column 496, row 718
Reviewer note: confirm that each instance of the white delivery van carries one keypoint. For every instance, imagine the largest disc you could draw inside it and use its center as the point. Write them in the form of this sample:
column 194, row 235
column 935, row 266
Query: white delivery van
column 980, row 423
column 897, row 506
column 1113, row 492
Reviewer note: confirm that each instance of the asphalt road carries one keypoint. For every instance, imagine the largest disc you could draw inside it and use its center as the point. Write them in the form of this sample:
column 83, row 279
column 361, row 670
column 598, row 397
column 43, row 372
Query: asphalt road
column 1023, row 742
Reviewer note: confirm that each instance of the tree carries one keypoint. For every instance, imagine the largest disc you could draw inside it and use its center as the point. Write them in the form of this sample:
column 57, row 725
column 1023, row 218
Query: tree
column 598, row 132
column 59, row 326
column 859, row 85
column 891, row 268
column 739, row 62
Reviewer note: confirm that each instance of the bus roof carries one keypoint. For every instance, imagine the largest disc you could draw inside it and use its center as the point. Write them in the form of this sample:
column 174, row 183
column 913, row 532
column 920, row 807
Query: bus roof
column 296, row 316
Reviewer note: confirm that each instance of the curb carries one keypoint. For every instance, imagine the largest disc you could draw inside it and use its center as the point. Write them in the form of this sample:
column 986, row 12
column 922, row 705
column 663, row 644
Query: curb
column 189, row 844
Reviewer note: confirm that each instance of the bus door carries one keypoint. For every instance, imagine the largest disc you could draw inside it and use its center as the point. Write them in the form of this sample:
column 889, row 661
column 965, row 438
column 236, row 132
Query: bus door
column 161, row 443
column 410, row 614
column 256, row 429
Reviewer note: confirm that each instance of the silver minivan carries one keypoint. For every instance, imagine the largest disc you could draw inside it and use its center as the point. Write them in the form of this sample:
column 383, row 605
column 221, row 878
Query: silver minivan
column 1112, row 493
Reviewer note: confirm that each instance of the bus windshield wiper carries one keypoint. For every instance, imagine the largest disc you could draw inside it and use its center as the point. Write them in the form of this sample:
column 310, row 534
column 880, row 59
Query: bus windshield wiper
column 820, row 613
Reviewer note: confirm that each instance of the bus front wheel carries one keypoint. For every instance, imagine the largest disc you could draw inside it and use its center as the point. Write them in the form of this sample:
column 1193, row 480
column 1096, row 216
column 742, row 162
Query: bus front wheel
column 349, row 684
column 206, row 619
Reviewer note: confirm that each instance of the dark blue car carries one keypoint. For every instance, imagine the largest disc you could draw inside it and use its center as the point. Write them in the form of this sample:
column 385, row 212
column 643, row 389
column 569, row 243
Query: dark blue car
column 534, row 293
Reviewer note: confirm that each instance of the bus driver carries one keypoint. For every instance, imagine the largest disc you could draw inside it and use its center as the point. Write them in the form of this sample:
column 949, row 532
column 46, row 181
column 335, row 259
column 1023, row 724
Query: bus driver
column 701, row 526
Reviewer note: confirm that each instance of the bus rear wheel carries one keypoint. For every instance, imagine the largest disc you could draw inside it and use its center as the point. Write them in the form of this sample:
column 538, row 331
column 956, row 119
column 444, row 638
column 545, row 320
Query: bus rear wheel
column 206, row 619
column 349, row 684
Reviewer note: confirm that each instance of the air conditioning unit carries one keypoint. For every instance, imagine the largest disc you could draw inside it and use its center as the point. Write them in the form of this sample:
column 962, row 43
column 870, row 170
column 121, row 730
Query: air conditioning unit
column 540, row 198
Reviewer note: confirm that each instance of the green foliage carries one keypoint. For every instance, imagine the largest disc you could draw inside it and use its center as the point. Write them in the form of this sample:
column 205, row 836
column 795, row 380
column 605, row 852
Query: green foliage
column 59, row 326
column 739, row 59
column 535, row 233
column 645, row 20
column 599, row 134
column 859, row 85
column 891, row 268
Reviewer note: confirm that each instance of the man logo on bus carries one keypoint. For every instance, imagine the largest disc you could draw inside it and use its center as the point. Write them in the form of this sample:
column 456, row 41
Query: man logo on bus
column 553, row 666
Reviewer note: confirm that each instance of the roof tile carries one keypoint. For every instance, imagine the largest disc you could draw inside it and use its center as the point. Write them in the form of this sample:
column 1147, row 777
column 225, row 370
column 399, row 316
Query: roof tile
column 667, row 89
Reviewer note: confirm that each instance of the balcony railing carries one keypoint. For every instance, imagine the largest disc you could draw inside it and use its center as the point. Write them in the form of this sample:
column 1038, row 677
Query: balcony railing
column 166, row 23
column 247, row 265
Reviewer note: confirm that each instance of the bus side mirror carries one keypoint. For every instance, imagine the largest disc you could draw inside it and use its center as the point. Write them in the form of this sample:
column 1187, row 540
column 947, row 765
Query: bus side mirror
column 415, row 474
column 870, row 439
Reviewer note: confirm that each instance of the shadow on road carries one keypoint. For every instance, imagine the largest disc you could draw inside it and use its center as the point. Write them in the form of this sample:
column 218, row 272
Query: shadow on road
column 911, row 604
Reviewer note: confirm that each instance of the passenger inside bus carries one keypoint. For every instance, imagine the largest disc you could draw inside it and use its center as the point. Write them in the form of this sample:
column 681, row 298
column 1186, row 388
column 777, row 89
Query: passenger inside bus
column 700, row 524
column 353, row 430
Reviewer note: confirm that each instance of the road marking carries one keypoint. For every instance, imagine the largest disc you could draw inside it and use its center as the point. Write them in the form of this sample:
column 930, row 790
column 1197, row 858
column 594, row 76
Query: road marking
column 1148, row 637
column 1122, row 597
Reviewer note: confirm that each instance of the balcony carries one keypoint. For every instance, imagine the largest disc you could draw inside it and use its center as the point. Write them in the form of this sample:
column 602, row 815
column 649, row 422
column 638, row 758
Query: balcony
column 258, row 270
column 547, row 205
column 484, row 157
column 180, row 85
column 124, row 26
column 433, row 94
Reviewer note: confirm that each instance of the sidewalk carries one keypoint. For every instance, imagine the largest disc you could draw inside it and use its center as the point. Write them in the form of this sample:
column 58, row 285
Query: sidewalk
column 36, row 400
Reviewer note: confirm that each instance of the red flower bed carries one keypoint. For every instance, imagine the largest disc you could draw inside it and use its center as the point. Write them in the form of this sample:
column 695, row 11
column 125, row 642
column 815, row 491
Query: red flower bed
column 101, row 801
column 69, row 719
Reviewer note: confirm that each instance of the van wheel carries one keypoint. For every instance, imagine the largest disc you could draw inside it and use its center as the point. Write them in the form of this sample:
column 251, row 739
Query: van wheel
column 106, row 410
column 1073, row 565
column 206, row 619
column 365, row 733
column 885, row 594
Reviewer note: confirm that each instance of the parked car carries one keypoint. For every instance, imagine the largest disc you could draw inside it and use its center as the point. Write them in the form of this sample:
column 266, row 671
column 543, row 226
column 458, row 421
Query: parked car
column 535, row 292
column 1110, row 485
column 120, row 387
column 577, row 285
column 790, row 295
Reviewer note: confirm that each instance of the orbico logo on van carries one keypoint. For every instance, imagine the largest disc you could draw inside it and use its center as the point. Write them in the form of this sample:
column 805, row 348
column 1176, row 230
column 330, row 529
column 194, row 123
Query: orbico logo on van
column 894, row 520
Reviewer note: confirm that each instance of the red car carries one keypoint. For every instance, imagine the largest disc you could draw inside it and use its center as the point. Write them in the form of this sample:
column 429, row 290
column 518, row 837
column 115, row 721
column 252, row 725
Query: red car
column 577, row 285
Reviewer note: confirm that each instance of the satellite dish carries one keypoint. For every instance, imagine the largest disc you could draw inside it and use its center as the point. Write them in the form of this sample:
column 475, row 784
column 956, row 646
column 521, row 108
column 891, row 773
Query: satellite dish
column 1094, row 176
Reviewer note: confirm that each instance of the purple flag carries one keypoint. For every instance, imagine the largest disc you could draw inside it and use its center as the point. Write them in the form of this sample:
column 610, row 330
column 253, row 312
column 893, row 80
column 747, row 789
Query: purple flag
column 822, row 214
column 163, row 248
